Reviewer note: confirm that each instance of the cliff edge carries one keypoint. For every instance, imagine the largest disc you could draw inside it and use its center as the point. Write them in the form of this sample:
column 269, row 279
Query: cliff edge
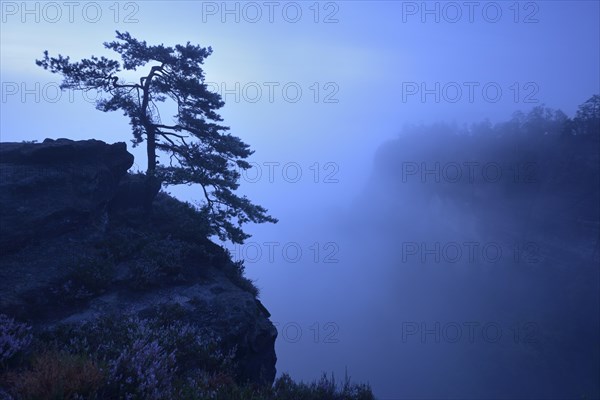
column 79, row 247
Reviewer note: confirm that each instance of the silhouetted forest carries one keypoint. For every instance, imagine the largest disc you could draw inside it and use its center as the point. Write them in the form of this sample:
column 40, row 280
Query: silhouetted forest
column 539, row 169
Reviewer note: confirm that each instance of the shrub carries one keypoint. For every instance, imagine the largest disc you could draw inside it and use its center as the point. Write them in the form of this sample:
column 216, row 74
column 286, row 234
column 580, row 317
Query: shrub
column 162, row 357
column 15, row 337
column 145, row 274
column 235, row 270
column 57, row 375
column 159, row 259
column 123, row 242
column 196, row 348
column 144, row 370
column 89, row 275
column 168, row 253
column 185, row 221
column 324, row 389
column 221, row 387
column 108, row 339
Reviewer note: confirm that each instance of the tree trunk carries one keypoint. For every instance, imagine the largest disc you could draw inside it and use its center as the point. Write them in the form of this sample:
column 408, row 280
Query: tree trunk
column 147, row 120
column 151, row 151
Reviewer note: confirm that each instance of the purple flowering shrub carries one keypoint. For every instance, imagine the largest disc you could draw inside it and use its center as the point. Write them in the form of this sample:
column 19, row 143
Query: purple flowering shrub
column 147, row 358
column 14, row 338
column 157, row 358
column 143, row 370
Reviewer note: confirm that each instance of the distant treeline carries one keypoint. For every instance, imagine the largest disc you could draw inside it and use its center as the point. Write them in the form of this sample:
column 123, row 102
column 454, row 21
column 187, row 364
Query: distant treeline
column 539, row 168
column 540, row 121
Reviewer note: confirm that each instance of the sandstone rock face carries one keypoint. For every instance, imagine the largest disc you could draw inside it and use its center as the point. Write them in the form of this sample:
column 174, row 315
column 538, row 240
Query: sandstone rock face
column 60, row 202
column 49, row 188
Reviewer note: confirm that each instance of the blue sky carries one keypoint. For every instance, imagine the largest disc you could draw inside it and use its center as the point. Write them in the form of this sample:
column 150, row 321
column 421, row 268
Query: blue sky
column 361, row 68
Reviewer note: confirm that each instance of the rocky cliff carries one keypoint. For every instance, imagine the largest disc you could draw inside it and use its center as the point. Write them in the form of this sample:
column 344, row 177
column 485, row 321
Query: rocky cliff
column 78, row 244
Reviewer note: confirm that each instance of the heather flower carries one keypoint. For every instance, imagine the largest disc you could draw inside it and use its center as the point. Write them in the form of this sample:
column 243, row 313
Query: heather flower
column 14, row 337
column 144, row 370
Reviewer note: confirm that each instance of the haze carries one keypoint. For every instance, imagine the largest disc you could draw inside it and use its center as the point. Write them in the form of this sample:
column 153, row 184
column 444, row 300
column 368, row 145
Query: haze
column 330, row 95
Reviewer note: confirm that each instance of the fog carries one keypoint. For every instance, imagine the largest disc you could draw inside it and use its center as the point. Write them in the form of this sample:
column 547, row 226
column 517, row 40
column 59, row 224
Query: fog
column 415, row 250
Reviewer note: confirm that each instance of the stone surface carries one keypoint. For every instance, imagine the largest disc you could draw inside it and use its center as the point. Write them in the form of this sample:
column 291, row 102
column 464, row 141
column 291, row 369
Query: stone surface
column 49, row 188
column 60, row 201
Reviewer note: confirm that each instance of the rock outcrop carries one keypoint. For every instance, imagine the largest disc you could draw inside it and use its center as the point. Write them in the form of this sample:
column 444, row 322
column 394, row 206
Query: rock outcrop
column 49, row 188
column 76, row 244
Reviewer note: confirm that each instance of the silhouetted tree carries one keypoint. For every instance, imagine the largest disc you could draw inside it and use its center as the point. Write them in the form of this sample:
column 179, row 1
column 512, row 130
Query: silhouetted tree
column 543, row 120
column 587, row 118
column 586, row 122
column 200, row 149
